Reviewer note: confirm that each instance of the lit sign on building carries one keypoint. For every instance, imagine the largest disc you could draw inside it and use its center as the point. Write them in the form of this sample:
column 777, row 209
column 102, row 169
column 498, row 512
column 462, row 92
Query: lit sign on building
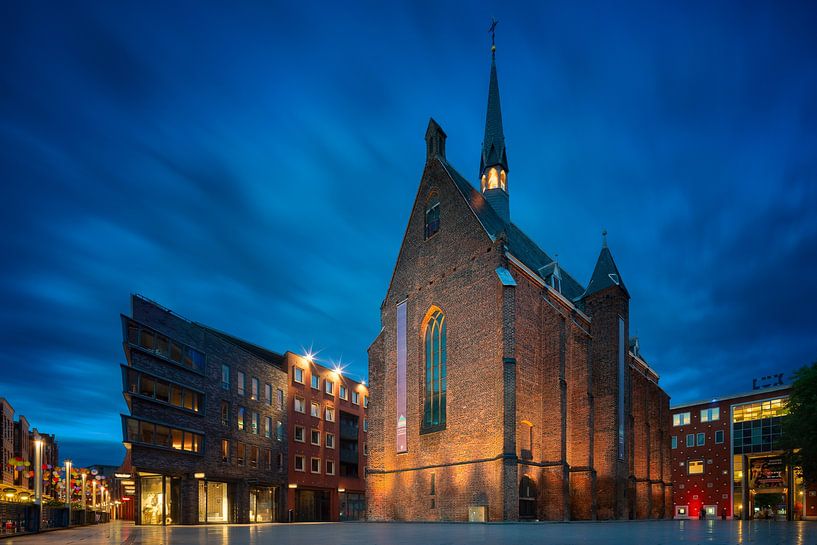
column 767, row 382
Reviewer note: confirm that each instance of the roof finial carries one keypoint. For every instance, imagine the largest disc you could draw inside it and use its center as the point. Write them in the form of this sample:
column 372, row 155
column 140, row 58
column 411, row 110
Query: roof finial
column 492, row 30
column 604, row 238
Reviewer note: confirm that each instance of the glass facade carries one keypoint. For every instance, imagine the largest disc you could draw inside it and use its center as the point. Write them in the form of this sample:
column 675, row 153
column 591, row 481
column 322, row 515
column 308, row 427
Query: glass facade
column 756, row 427
column 213, row 502
column 160, row 499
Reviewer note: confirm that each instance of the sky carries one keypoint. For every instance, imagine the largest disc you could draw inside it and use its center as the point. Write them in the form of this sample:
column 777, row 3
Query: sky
column 252, row 167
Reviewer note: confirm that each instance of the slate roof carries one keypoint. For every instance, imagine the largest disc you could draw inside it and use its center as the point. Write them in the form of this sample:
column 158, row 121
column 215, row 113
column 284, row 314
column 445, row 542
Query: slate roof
column 519, row 244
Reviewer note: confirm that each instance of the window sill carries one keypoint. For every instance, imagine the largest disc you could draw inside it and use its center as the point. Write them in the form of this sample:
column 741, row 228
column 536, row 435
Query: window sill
column 424, row 430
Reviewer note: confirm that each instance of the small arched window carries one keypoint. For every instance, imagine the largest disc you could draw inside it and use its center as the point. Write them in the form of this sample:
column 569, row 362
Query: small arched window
column 432, row 216
column 526, row 440
column 434, row 342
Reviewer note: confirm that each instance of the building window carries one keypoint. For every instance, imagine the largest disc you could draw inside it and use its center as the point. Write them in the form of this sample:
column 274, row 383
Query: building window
column 240, row 450
column 279, row 431
column 299, row 434
column 267, row 427
column 329, row 387
column 241, row 411
column 280, row 461
column 343, row 392
column 709, row 415
column 255, row 423
column 241, row 383
column 365, row 449
column 315, row 465
column 680, row 419
column 225, row 450
column 719, row 436
column 526, row 440
column 147, row 386
column 674, row 441
column 298, row 374
column 300, row 405
column 432, row 216
column 315, row 438
column 268, row 393
column 315, row 409
column 225, row 377
column 695, row 467
column 316, row 382
column 690, row 440
column 701, row 439
column 330, row 440
column 280, row 397
column 268, row 457
column 330, row 414
column 356, row 398
column 330, row 467
column 435, row 375
column 365, row 424
column 299, row 462
column 365, row 402
column 158, row 344
column 254, row 388
column 158, row 435
column 253, row 456
column 225, row 413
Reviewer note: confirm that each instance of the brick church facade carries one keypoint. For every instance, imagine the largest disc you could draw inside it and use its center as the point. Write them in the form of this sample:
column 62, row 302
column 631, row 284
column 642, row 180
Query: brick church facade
column 504, row 389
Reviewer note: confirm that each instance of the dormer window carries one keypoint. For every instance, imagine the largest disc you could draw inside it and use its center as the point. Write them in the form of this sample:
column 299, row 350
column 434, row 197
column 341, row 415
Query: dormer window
column 432, row 216
column 556, row 283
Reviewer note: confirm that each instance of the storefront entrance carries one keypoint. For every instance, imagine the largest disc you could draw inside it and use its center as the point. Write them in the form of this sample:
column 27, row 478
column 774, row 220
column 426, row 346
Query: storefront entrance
column 352, row 506
column 312, row 506
column 213, row 502
column 159, row 499
column 263, row 504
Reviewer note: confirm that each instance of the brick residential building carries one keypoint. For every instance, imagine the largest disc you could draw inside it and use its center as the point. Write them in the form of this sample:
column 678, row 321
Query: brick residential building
column 503, row 388
column 327, row 447
column 204, row 429
column 725, row 462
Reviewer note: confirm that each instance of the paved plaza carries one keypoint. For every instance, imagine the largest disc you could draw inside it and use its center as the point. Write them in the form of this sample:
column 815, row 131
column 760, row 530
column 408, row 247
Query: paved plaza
column 590, row 533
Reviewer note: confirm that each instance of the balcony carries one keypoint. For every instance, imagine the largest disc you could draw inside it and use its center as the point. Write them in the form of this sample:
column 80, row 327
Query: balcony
column 349, row 431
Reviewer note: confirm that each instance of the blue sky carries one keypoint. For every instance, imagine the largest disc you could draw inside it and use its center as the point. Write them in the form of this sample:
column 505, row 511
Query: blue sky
column 252, row 167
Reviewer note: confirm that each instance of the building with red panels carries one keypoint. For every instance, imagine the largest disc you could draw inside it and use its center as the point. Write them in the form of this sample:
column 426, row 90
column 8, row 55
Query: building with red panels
column 725, row 461
column 326, row 437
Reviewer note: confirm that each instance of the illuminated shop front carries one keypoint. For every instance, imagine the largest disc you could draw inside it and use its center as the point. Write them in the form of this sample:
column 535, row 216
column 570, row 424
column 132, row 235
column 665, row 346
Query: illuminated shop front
column 263, row 504
column 214, row 505
column 764, row 486
column 159, row 499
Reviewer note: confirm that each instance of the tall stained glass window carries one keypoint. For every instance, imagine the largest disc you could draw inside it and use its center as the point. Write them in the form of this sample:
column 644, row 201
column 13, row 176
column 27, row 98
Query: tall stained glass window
column 435, row 378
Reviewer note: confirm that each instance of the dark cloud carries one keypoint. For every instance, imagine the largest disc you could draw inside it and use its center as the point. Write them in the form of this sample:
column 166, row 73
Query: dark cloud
column 252, row 168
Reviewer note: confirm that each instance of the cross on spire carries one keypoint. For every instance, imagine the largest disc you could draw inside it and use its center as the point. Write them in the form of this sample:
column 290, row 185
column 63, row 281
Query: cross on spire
column 492, row 30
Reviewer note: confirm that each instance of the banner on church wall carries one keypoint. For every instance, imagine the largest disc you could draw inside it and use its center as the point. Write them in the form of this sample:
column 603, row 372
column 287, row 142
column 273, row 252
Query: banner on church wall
column 401, row 378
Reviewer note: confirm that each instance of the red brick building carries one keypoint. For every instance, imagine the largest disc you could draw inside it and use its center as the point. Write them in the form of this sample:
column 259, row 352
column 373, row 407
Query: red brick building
column 327, row 442
column 504, row 388
column 725, row 463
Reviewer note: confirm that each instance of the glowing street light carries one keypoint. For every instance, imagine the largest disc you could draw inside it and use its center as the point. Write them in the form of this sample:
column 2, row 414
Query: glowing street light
column 38, row 470
column 68, row 488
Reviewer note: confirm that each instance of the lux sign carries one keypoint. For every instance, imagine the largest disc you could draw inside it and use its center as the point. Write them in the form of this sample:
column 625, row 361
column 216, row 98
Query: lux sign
column 767, row 382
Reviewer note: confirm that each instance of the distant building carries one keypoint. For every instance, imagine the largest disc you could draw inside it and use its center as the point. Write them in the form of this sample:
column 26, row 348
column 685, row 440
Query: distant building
column 327, row 448
column 504, row 388
column 211, row 431
column 7, row 431
column 725, row 461
column 18, row 445
column 22, row 451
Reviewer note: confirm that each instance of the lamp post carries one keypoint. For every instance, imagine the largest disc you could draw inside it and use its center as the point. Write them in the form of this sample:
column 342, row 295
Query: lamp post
column 93, row 493
column 38, row 471
column 82, row 498
column 68, row 488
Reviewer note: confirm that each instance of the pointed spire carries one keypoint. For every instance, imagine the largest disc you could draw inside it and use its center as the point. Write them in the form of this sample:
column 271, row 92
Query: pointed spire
column 606, row 273
column 493, row 143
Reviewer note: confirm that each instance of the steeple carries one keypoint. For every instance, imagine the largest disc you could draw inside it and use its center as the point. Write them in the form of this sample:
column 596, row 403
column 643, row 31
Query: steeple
column 493, row 164
column 606, row 273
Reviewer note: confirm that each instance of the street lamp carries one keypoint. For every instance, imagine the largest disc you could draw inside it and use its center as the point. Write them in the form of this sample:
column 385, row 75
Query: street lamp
column 68, row 488
column 93, row 493
column 38, row 470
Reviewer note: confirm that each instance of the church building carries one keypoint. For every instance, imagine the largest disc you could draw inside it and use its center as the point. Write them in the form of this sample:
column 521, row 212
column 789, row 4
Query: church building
column 502, row 387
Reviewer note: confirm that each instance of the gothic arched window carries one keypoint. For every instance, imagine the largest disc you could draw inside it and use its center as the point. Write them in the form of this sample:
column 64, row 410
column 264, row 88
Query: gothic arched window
column 432, row 215
column 435, row 359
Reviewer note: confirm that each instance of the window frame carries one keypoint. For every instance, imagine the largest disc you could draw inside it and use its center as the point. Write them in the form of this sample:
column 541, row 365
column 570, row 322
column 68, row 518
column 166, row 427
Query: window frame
column 302, row 434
